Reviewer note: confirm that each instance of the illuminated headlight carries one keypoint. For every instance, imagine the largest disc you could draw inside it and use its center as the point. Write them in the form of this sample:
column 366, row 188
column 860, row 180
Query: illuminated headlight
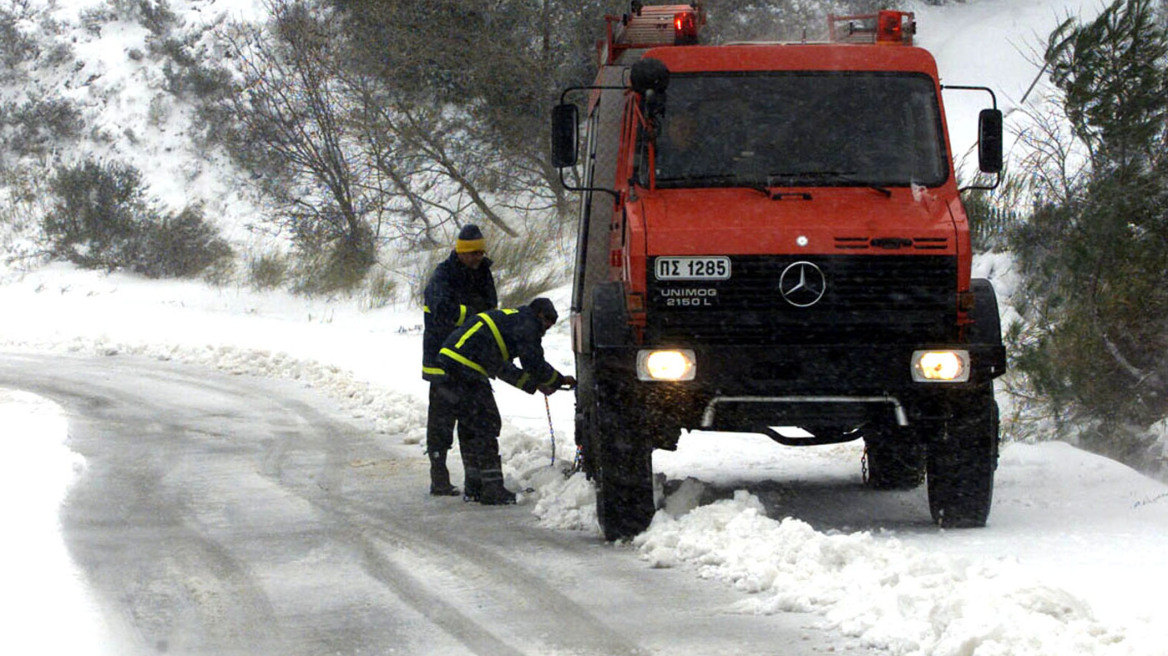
column 940, row 366
column 673, row 364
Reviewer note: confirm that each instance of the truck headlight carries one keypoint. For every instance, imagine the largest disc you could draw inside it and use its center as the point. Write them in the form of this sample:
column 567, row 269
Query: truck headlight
column 670, row 364
column 950, row 366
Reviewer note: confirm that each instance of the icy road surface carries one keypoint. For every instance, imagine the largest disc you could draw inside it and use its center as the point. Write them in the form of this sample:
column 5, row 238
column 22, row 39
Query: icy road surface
column 221, row 514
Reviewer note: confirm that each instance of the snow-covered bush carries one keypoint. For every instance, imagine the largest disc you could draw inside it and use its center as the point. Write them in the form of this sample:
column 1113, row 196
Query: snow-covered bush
column 102, row 218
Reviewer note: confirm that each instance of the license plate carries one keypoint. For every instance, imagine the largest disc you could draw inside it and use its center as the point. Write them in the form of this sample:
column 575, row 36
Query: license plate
column 692, row 268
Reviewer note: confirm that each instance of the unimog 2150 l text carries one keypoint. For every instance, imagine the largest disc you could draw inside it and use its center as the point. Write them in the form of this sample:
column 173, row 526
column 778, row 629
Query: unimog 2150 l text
column 771, row 240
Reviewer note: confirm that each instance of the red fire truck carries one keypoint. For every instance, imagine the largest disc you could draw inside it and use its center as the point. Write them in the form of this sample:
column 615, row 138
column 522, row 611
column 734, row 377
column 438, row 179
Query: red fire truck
column 771, row 239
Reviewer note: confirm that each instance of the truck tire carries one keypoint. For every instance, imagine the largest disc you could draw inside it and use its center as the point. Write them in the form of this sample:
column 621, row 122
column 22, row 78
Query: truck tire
column 623, row 470
column 894, row 459
column 961, row 462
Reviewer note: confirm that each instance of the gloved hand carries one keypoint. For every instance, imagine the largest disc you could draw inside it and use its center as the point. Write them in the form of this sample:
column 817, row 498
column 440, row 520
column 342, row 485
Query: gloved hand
column 566, row 383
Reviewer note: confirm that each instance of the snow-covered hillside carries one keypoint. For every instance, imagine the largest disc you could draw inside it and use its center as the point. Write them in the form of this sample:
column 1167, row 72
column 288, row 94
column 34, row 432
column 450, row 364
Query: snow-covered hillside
column 102, row 59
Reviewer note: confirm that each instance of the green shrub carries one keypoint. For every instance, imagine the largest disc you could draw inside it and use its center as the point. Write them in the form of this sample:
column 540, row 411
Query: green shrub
column 94, row 17
column 196, row 81
column 15, row 46
column 188, row 73
column 268, row 271
column 993, row 214
column 221, row 272
column 93, row 221
column 338, row 266
column 24, row 195
column 101, row 218
column 520, row 266
column 179, row 245
column 380, row 289
column 156, row 16
column 34, row 127
column 1092, row 256
column 58, row 54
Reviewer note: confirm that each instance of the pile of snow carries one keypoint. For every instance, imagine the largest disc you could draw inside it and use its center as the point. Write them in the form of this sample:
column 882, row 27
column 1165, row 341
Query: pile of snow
column 42, row 586
column 895, row 595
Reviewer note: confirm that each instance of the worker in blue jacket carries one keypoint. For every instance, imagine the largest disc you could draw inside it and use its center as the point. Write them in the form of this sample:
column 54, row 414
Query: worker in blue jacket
column 460, row 287
column 482, row 349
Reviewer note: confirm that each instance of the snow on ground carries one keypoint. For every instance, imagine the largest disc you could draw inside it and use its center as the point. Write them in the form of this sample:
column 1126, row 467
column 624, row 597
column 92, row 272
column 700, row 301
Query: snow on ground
column 1072, row 561
column 41, row 583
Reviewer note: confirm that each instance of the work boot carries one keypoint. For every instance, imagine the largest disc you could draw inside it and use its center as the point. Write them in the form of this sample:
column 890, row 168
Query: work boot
column 494, row 494
column 440, row 477
column 472, row 482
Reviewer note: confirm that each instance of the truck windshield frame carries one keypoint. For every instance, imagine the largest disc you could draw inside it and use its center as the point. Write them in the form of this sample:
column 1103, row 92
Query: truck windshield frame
column 801, row 129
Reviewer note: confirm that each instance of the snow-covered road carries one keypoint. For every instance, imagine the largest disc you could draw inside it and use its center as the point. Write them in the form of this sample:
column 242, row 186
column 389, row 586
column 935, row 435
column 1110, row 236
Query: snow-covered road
column 222, row 514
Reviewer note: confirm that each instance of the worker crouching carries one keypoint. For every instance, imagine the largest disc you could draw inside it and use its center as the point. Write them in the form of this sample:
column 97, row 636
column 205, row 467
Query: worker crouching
column 482, row 349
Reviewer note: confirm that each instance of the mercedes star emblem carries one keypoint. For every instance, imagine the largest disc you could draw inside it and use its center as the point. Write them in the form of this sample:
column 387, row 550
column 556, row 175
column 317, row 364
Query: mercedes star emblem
column 802, row 284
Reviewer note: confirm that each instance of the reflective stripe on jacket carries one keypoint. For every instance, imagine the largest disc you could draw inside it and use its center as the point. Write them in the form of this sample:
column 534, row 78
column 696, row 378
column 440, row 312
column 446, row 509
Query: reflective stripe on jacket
column 454, row 293
column 487, row 344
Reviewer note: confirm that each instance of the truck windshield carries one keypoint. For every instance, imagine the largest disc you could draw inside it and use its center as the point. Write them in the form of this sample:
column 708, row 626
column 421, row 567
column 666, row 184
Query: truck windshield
column 801, row 129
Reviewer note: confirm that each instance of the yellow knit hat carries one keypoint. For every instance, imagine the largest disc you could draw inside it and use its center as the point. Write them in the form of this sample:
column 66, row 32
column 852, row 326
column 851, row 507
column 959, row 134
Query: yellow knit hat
column 470, row 240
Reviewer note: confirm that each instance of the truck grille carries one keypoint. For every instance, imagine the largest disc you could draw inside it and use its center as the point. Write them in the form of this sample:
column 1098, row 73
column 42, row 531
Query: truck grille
column 890, row 299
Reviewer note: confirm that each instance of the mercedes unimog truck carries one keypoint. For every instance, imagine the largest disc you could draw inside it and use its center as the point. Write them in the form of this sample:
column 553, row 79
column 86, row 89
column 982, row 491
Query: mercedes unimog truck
column 771, row 239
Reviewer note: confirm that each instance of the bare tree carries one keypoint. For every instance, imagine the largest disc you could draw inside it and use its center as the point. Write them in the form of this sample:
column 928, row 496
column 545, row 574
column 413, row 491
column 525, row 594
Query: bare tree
column 431, row 154
column 291, row 113
column 353, row 159
column 502, row 65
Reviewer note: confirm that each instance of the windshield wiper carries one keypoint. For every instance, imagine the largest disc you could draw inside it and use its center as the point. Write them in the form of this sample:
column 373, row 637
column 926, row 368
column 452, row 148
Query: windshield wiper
column 722, row 180
column 846, row 177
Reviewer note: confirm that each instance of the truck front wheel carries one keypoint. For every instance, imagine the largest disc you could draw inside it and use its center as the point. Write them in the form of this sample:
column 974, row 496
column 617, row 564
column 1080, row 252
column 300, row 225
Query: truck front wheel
column 961, row 462
column 623, row 471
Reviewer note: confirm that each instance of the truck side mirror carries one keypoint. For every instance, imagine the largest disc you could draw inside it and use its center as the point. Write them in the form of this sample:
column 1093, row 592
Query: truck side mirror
column 565, row 138
column 989, row 141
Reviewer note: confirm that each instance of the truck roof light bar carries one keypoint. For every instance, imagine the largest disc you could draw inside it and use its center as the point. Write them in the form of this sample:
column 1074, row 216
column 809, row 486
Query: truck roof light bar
column 685, row 28
column 884, row 28
column 651, row 27
column 890, row 27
